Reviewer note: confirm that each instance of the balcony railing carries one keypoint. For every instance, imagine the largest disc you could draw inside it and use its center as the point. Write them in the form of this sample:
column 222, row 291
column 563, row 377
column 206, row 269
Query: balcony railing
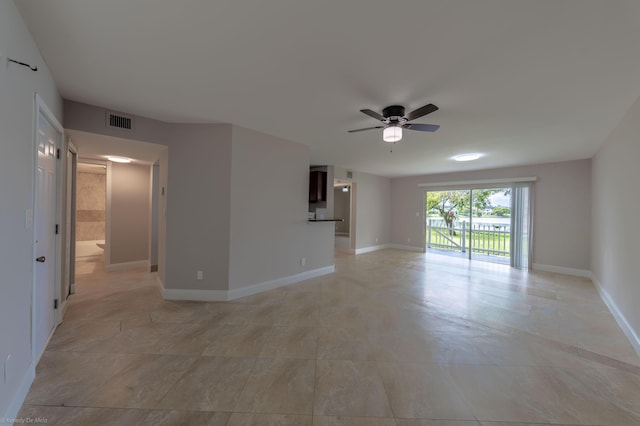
column 485, row 238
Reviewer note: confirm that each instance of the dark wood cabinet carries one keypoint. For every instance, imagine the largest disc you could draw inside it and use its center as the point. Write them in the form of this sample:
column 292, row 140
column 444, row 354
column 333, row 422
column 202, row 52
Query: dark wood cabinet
column 317, row 186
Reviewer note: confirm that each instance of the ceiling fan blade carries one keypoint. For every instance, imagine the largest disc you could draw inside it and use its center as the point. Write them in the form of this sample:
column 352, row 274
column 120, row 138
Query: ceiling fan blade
column 373, row 114
column 421, row 112
column 366, row 128
column 422, row 127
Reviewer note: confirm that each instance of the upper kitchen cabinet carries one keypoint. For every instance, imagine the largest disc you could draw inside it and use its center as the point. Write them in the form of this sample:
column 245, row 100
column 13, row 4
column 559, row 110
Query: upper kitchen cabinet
column 317, row 186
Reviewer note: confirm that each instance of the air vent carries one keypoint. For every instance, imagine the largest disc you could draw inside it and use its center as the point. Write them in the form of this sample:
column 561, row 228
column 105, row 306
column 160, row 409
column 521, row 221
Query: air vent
column 119, row 121
column 349, row 174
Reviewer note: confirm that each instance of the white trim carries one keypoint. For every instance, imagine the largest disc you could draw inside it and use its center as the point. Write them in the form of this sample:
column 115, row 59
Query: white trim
column 224, row 295
column 124, row 266
column 279, row 282
column 406, row 248
column 107, row 218
column 562, row 270
column 628, row 331
column 345, row 250
column 20, row 395
column 159, row 282
column 42, row 107
column 478, row 182
column 195, row 295
column 371, row 248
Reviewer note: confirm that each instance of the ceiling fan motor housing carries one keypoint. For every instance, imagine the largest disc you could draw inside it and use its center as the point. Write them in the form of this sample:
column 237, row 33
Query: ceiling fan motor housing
column 393, row 111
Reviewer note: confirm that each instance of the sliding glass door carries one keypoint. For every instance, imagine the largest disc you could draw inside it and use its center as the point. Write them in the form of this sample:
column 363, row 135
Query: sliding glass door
column 484, row 223
column 490, row 225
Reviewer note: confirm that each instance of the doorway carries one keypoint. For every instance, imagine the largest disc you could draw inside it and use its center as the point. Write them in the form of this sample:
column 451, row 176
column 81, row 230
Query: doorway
column 491, row 224
column 90, row 215
column 342, row 210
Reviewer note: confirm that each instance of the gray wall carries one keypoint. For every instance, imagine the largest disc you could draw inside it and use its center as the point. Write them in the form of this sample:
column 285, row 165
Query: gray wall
column 562, row 209
column 269, row 194
column 614, row 227
column 195, row 214
column 198, row 206
column 17, row 88
column 373, row 200
column 130, row 213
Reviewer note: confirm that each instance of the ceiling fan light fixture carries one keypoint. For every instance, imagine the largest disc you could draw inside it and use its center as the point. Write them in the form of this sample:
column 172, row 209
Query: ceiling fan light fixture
column 392, row 134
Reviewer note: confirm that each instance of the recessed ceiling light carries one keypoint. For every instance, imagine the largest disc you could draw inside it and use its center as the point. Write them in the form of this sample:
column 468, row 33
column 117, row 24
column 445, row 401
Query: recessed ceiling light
column 467, row 157
column 118, row 159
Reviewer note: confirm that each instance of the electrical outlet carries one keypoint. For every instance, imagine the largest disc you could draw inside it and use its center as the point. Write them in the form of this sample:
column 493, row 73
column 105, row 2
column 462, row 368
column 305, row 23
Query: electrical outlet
column 376, row 239
column 408, row 240
column 303, row 261
column 417, row 214
column 199, row 275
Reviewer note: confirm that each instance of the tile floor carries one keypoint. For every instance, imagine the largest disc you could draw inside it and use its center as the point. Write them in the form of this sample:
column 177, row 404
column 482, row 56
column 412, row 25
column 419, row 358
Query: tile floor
column 392, row 338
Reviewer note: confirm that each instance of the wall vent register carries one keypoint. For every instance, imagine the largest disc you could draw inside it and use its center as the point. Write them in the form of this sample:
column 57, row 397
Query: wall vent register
column 119, row 121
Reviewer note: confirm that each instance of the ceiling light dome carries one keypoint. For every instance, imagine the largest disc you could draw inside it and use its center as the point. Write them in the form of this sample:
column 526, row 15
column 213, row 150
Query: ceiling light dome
column 117, row 159
column 467, row 157
column 392, row 134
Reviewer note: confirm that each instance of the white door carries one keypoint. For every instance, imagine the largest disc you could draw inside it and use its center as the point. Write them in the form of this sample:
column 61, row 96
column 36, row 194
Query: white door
column 45, row 239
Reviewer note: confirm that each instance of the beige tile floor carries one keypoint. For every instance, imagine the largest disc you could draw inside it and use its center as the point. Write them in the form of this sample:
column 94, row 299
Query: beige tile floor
column 392, row 338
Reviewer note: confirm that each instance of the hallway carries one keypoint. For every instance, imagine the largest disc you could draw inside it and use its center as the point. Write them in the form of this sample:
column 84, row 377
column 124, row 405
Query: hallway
column 392, row 338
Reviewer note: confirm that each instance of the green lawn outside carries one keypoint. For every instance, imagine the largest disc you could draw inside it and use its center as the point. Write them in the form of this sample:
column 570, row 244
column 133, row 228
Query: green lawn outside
column 482, row 240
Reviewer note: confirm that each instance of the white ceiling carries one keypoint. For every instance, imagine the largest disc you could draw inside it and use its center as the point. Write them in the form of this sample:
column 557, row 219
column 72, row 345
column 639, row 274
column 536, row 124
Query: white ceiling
column 521, row 81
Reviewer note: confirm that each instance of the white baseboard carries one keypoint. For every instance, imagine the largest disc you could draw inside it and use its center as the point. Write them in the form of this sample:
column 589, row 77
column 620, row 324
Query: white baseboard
column 386, row 246
column 628, row 331
column 562, row 270
column 21, row 393
column 407, row 248
column 279, row 282
column 124, row 266
column 370, row 249
column 195, row 295
column 224, row 295
column 345, row 250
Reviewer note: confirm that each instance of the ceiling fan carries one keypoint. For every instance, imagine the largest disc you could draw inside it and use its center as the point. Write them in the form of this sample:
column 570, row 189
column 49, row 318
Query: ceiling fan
column 394, row 120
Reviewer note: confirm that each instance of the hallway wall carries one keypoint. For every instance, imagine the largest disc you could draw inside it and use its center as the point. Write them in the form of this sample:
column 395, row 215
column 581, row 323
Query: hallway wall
column 615, row 206
column 130, row 213
column 17, row 88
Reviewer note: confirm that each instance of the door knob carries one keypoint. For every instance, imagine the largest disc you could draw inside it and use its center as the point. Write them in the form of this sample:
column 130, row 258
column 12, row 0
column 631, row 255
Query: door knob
column 41, row 259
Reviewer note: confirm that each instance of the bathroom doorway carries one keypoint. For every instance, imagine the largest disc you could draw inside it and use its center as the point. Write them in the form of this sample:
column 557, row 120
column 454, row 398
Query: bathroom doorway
column 91, row 187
